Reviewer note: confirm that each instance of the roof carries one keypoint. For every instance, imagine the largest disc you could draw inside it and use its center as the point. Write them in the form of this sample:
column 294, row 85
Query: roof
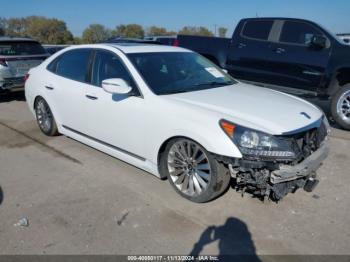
column 8, row 38
column 146, row 48
column 136, row 47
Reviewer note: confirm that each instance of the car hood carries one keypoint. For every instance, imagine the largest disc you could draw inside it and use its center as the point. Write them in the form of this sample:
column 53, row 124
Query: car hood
column 254, row 107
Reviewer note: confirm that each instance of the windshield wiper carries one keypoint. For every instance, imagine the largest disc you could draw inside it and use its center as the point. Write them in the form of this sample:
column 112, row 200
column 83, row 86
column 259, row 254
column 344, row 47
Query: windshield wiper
column 215, row 83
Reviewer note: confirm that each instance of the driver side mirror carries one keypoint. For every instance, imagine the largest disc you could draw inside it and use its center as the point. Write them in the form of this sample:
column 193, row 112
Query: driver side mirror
column 319, row 41
column 116, row 86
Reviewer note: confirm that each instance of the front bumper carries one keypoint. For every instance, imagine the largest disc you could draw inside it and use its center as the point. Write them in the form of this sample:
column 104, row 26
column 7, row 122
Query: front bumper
column 303, row 169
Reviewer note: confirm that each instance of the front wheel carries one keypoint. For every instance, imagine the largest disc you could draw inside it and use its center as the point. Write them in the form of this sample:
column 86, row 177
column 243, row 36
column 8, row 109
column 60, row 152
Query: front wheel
column 340, row 107
column 44, row 117
column 193, row 172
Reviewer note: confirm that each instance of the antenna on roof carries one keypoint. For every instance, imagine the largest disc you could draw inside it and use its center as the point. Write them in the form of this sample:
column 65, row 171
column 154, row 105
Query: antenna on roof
column 256, row 14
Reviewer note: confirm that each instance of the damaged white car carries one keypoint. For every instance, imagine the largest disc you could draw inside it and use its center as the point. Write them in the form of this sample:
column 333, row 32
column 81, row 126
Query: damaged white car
column 175, row 114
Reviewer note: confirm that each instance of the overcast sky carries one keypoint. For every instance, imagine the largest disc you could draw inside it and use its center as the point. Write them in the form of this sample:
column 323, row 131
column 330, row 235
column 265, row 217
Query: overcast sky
column 175, row 14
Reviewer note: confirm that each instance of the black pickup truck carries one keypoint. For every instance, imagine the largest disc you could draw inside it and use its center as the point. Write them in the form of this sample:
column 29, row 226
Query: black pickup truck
column 291, row 55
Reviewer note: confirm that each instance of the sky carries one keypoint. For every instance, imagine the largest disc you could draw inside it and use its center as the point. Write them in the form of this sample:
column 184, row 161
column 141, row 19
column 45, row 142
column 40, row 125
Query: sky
column 174, row 14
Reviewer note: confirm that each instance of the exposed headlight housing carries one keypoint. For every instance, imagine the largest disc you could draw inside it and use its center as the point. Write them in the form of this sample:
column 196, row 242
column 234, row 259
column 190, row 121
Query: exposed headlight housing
column 253, row 143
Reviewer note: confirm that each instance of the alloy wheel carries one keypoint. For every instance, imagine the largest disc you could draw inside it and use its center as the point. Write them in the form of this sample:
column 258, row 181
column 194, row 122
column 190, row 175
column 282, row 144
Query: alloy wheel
column 189, row 167
column 44, row 115
column 343, row 106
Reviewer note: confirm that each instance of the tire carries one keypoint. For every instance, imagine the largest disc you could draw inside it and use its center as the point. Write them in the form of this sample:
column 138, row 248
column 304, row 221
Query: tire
column 340, row 107
column 185, row 160
column 45, row 118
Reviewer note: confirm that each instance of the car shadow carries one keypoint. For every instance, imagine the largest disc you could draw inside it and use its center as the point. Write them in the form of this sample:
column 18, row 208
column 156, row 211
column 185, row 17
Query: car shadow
column 234, row 241
column 14, row 96
column 1, row 196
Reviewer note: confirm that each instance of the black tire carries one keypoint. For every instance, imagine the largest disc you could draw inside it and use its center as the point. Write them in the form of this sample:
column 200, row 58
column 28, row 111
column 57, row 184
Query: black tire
column 50, row 127
column 337, row 97
column 219, row 175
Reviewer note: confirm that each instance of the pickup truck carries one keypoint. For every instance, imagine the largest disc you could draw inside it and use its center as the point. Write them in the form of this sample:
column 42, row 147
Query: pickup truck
column 291, row 55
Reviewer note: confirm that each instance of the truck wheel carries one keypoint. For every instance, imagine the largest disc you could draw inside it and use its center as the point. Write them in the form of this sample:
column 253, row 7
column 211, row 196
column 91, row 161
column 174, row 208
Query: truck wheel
column 193, row 172
column 340, row 107
column 44, row 117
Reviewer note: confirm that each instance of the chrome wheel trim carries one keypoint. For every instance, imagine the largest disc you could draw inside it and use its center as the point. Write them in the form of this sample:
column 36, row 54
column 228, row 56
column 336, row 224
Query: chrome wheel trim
column 43, row 115
column 189, row 167
column 343, row 107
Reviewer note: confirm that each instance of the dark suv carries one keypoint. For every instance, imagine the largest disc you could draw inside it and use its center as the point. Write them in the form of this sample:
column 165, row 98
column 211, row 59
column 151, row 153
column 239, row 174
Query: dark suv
column 291, row 55
column 17, row 56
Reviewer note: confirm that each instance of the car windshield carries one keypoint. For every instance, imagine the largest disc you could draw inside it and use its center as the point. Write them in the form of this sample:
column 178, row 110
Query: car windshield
column 178, row 72
column 15, row 48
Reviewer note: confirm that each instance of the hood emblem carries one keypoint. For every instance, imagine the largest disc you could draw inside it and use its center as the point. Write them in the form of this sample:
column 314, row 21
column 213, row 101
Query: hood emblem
column 306, row 115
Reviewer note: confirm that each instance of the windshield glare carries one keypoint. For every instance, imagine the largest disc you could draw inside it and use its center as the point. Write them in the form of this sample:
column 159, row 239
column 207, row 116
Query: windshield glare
column 178, row 72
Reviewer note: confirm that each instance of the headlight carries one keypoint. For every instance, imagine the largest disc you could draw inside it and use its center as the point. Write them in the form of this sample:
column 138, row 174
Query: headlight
column 254, row 143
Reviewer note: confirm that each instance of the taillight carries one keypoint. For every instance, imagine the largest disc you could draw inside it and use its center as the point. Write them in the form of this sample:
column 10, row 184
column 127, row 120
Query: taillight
column 176, row 42
column 26, row 77
column 3, row 62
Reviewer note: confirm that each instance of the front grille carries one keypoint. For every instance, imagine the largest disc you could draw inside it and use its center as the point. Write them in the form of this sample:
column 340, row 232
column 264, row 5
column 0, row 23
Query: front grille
column 311, row 140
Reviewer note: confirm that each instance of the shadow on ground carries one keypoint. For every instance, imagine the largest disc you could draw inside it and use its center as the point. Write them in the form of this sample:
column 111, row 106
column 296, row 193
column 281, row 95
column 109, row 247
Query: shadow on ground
column 234, row 241
column 15, row 96
column 1, row 196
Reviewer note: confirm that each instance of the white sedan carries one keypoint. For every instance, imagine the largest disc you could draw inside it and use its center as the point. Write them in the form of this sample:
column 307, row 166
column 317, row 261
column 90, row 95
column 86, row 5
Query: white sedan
column 175, row 114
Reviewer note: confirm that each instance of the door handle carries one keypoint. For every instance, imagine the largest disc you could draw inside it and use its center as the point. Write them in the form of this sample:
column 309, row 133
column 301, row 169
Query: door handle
column 91, row 97
column 279, row 50
column 49, row 87
column 241, row 45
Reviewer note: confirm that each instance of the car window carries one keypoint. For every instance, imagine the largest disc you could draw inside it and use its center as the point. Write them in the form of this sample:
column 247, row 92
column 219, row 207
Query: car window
column 298, row 33
column 13, row 48
column 107, row 65
column 257, row 29
column 177, row 72
column 73, row 64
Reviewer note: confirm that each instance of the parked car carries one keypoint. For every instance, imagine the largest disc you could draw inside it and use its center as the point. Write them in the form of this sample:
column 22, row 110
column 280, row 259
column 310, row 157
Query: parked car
column 51, row 49
column 175, row 114
column 17, row 56
column 165, row 40
column 291, row 55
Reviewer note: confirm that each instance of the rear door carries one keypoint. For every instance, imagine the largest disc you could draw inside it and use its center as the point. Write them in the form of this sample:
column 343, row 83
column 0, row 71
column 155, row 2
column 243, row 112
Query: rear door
column 248, row 49
column 65, row 87
column 292, row 62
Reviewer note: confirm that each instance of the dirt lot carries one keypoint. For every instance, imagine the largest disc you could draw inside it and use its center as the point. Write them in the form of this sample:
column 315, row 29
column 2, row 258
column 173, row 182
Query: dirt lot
column 81, row 201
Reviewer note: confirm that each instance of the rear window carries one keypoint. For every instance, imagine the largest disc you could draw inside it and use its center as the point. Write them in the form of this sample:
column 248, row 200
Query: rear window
column 257, row 29
column 298, row 33
column 13, row 48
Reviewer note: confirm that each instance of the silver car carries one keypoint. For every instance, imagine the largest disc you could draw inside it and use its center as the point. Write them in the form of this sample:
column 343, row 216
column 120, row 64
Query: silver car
column 17, row 56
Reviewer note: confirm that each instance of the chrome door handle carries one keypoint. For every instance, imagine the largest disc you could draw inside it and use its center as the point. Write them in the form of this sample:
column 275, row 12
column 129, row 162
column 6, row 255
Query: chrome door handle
column 241, row 45
column 91, row 97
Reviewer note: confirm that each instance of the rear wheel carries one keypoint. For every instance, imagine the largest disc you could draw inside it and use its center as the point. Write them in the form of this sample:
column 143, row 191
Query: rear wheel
column 340, row 107
column 45, row 118
column 193, row 172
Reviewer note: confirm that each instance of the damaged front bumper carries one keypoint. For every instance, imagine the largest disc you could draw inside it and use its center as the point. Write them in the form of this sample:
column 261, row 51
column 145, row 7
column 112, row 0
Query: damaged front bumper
column 305, row 168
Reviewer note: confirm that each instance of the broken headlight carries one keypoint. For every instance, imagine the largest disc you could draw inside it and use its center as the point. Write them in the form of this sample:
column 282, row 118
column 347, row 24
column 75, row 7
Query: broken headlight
column 253, row 143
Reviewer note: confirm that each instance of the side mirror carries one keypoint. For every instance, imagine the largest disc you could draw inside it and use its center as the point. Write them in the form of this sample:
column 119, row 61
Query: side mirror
column 116, row 86
column 319, row 41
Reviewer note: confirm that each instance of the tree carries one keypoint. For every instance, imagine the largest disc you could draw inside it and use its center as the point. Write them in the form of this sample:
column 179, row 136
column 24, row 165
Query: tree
column 2, row 26
column 193, row 30
column 129, row 31
column 96, row 33
column 42, row 29
column 159, row 31
column 222, row 31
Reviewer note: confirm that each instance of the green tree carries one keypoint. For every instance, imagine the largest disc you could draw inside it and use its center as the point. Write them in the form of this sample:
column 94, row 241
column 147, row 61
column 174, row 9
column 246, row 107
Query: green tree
column 222, row 31
column 42, row 29
column 96, row 33
column 129, row 31
column 193, row 30
column 159, row 31
column 2, row 26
